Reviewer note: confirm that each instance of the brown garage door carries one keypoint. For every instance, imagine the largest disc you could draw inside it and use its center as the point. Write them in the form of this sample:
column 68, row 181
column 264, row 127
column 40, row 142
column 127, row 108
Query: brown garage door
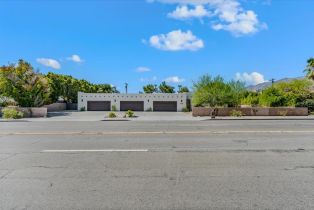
column 98, row 105
column 165, row 106
column 132, row 105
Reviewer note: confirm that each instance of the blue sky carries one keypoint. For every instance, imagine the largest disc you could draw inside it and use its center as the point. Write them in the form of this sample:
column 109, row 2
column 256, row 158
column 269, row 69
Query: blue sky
column 141, row 42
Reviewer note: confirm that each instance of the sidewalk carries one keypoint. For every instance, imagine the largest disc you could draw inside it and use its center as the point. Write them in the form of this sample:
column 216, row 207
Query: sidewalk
column 73, row 116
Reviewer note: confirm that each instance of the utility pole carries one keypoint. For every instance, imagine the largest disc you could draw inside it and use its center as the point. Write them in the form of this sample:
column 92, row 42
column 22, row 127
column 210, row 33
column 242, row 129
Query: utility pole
column 126, row 88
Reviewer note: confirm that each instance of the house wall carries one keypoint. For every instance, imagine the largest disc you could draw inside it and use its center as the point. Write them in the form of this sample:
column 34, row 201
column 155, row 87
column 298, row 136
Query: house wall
column 148, row 99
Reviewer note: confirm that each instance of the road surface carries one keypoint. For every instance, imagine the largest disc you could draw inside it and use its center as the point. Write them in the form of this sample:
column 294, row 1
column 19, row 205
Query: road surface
column 220, row 164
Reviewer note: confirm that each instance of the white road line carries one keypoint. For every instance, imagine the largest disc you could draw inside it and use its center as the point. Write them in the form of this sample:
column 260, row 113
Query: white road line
column 156, row 132
column 95, row 150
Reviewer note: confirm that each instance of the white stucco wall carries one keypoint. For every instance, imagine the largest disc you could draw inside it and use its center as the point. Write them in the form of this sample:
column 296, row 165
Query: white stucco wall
column 148, row 99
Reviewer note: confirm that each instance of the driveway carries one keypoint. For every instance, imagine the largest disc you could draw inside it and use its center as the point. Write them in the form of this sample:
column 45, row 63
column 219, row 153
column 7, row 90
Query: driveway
column 98, row 116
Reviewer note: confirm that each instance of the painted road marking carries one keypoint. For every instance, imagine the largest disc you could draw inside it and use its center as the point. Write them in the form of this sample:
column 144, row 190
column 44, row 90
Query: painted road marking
column 151, row 132
column 95, row 150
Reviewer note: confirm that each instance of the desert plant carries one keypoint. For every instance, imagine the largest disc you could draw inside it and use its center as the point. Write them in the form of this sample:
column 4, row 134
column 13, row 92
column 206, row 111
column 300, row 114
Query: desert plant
column 114, row 108
column 215, row 92
column 24, row 85
column 236, row 113
column 129, row 113
column 83, row 109
column 310, row 69
column 283, row 113
column 185, row 109
column 5, row 101
column 11, row 113
column 112, row 115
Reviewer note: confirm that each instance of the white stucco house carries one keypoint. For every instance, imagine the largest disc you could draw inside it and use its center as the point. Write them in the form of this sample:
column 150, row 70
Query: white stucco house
column 172, row 102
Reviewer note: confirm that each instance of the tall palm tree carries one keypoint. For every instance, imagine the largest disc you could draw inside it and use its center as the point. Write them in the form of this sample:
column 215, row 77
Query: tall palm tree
column 310, row 69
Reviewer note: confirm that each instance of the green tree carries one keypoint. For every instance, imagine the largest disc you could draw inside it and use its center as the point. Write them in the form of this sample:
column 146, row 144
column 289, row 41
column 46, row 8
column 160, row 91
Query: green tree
column 150, row 88
column 67, row 87
column 310, row 69
column 165, row 88
column 21, row 83
column 183, row 89
column 215, row 92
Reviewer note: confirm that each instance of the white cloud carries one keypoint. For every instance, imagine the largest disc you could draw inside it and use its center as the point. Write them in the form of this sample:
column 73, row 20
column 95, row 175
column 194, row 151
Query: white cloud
column 49, row 62
column 75, row 58
column 153, row 79
column 226, row 15
column 183, row 12
column 174, row 79
column 142, row 69
column 253, row 78
column 176, row 40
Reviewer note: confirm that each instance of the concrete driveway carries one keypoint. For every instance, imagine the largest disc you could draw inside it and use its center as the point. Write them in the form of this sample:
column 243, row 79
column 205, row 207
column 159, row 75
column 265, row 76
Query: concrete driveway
column 98, row 116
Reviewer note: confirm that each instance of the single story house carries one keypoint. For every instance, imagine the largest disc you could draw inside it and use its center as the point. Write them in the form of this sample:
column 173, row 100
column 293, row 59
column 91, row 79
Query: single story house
column 171, row 102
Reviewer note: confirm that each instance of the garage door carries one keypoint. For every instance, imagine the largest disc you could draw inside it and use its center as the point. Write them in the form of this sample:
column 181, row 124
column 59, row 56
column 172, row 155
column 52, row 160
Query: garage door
column 98, row 105
column 165, row 106
column 132, row 105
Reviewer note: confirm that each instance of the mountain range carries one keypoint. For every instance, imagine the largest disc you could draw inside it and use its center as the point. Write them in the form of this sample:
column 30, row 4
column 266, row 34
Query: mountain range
column 267, row 84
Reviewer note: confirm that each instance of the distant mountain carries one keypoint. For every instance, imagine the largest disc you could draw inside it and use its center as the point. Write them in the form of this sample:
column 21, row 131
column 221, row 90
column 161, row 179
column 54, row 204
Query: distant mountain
column 265, row 85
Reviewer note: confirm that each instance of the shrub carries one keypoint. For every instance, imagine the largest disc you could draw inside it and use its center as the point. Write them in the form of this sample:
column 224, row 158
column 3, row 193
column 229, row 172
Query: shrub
column 5, row 101
column 83, row 109
column 112, row 115
column 251, row 99
column 11, row 113
column 235, row 113
column 214, row 92
column 114, row 108
column 283, row 113
column 185, row 109
column 309, row 103
column 129, row 113
column 149, row 109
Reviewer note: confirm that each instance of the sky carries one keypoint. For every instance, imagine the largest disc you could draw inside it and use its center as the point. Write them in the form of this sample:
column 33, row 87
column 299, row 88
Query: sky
column 143, row 42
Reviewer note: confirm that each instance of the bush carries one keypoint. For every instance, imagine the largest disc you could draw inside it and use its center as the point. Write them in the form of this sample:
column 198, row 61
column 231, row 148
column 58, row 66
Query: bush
column 129, row 113
column 5, row 101
column 185, row 109
column 215, row 92
column 114, row 108
column 112, row 115
column 83, row 109
column 235, row 113
column 309, row 103
column 11, row 113
column 251, row 99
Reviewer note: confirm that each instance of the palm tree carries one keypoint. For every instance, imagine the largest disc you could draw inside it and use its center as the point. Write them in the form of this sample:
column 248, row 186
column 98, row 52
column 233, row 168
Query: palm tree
column 310, row 69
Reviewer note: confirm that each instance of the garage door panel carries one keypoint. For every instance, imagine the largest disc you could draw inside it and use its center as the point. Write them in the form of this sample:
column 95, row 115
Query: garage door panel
column 98, row 106
column 132, row 105
column 165, row 106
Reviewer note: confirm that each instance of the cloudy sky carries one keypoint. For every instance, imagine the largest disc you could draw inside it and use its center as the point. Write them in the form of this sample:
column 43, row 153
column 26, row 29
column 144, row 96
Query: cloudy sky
column 150, row 41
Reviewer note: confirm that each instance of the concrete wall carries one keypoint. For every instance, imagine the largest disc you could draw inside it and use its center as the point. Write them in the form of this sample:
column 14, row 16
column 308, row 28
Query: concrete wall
column 253, row 111
column 148, row 99
column 56, row 107
column 71, row 106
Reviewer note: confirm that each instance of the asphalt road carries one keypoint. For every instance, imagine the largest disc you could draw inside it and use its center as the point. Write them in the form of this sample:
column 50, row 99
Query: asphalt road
column 221, row 164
